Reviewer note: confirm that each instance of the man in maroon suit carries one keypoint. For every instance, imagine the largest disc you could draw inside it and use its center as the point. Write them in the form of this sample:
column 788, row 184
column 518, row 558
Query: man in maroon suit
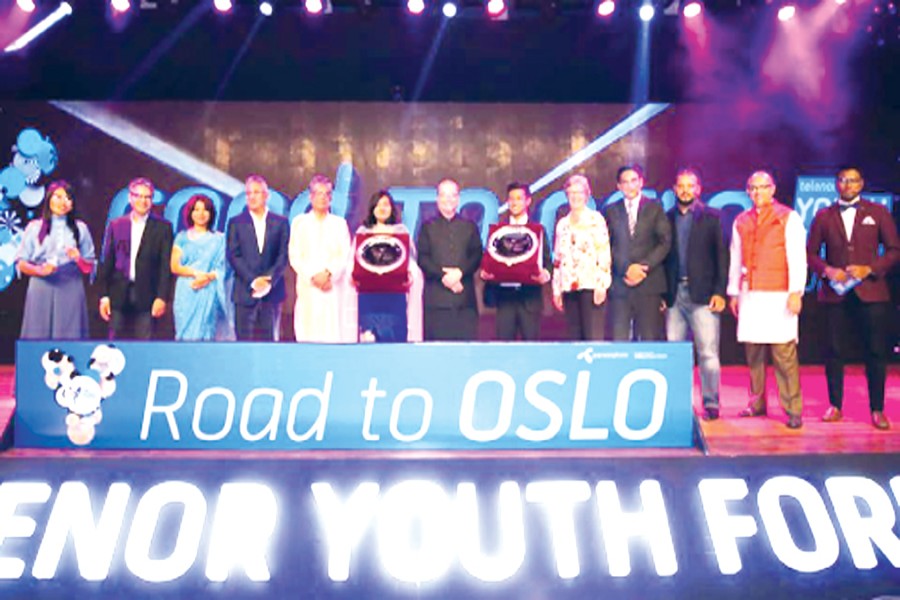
column 854, row 287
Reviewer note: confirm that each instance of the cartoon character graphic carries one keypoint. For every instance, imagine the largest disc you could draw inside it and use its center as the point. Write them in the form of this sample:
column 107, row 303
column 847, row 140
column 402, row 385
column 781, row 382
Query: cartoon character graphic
column 79, row 394
column 33, row 155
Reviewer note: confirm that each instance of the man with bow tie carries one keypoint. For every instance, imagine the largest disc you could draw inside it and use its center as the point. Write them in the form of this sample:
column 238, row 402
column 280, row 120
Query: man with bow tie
column 854, row 287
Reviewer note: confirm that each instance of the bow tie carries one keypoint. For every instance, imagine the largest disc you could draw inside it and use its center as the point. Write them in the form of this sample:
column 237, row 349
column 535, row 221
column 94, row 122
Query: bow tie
column 847, row 205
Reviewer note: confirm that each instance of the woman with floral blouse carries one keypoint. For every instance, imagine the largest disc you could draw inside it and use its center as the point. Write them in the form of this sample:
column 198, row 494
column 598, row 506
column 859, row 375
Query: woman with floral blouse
column 581, row 273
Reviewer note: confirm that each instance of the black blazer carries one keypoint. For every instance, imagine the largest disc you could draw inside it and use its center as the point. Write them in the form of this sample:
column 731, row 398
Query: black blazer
column 443, row 243
column 649, row 246
column 707, row 259
column 531, row 296
column 152, row 270
column 247, row 261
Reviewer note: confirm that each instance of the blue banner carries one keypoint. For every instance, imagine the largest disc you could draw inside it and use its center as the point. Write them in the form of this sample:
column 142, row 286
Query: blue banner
column 364, row 396
column 524, row 527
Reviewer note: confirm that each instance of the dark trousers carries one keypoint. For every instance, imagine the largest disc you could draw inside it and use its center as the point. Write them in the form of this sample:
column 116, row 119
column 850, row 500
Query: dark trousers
column 584, row 319
column 460, row 324
column 129, row 323
column 256, row 322
column 518, row 314
column 871, row 320
column 641, row 309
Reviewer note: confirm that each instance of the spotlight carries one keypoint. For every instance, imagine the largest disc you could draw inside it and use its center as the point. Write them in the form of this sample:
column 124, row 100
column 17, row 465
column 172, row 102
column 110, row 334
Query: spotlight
column 62, row 11
column 692, row 9
column 496, row 8
column 606, row 8
column 314, row 7
column 415, row 6
column 223, row 5
column 646, row 12
column 449, row 9
column 265, row 8
column 26, row 5
column 787, row 12
column 120, row 6
column 839, row 2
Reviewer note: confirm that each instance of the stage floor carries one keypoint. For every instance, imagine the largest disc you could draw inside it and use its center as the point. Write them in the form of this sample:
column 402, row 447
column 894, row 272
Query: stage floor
column 728, row 436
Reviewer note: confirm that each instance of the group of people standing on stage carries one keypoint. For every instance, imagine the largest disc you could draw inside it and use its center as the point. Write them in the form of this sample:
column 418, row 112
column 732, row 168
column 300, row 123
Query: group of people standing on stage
column 659, row 275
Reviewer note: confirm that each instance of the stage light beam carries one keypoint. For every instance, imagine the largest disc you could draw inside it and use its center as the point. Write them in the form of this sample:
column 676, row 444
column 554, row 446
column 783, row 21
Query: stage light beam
column 61, row 12
column 692, row 9
column 496, row 8
column 646, row 12
column 606, row 8
column 449, row 9
column 266, row 8
column 786, row 12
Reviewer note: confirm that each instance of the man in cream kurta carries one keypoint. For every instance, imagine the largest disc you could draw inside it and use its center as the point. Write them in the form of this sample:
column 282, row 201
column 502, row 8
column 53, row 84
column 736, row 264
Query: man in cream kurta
column 318, row 250
column 764, row 298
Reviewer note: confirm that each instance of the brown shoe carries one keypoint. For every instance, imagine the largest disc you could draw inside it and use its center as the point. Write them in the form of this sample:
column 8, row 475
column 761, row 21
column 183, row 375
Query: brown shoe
column 832, row 415
column 880, row 421
column 753, row 411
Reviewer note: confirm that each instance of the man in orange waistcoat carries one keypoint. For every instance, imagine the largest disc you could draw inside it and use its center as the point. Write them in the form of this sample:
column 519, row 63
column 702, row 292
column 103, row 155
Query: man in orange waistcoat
column 766, row 279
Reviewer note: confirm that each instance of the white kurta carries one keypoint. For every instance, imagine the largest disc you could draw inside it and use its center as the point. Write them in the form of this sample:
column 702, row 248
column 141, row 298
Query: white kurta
column 763, row 317
column 316, row 245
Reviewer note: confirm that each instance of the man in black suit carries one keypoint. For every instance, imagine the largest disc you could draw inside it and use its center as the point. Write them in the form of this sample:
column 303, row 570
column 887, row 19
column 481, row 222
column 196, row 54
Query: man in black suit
column 449, row 254
column 519, row 306
column 257, row 249
column 853, row 288
column 697, row 275
column 134, row 275
column 640, row 237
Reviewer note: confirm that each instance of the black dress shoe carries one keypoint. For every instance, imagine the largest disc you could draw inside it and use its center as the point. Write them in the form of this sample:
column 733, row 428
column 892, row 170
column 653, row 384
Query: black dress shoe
column 794, row 422
column 880, row 421
column 752, row 411
column 832, row 415
column 710, row 414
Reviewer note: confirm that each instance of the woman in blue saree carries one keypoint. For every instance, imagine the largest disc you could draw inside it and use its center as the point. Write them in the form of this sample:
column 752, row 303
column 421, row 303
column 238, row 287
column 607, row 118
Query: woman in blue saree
column 200, row 307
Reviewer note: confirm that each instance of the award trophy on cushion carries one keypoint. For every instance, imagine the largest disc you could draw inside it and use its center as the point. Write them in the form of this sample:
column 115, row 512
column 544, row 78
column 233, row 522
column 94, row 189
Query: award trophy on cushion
column 513, row 253
column 381, row 262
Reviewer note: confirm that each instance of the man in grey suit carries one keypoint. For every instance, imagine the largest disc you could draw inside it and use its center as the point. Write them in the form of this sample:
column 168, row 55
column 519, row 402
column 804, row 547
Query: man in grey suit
column 640, row 237
column 257, row 249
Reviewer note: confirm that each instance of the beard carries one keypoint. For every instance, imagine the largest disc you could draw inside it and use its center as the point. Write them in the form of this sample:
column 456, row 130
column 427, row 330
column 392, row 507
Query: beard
column 687, row 202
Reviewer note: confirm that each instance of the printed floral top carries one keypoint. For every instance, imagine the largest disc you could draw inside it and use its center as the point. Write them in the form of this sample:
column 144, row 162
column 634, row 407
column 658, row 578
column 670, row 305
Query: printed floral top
column 581, row 254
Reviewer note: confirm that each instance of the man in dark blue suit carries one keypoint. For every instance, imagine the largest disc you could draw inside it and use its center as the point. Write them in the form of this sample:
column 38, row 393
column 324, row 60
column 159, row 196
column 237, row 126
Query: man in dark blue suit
column 639, row 237
column 257, row 249
column 519, row 306
column 696, row 276
column 134, row 276
column 854, row 288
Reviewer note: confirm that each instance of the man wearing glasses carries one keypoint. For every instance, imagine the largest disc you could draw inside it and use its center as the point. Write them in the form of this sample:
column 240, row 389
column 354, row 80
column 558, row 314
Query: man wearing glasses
column 854, row 288
column 134, row 276
column 766, row 279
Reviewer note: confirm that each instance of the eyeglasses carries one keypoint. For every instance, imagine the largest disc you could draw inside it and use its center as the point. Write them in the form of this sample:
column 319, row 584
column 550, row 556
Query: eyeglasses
column 756, row 188
column 141, row 196
column 849, row 180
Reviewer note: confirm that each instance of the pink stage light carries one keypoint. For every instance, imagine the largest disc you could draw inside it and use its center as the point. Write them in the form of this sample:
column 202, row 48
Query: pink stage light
column 786, row 12
column 222, row 5
column 120, row 6
column 495, row 8
column 26, row 5
column 415, row 7
column 839, row 2
column 692, row 9
column 606, row 8
column 314, row 7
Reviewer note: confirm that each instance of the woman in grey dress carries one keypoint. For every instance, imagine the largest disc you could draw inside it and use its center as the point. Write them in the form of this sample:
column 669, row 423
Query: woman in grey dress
column 56, row 252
